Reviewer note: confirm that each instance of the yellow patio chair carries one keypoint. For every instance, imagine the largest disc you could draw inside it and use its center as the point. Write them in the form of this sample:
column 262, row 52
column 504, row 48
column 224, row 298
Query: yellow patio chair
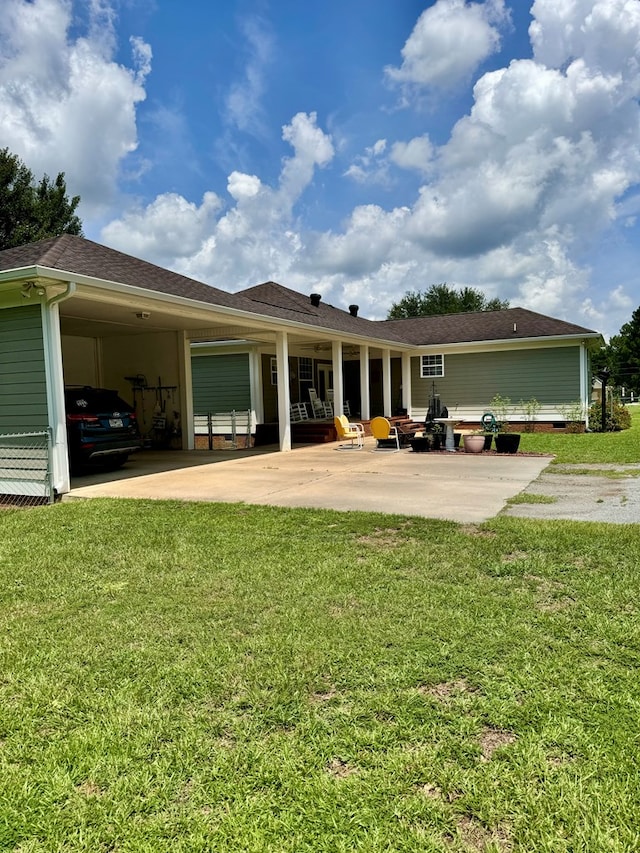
column 353, row 432
column 386, row 436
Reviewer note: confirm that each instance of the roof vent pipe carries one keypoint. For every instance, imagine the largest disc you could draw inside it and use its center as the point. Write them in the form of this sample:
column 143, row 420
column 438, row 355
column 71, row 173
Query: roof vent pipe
column 315, row 299
column 353, row 310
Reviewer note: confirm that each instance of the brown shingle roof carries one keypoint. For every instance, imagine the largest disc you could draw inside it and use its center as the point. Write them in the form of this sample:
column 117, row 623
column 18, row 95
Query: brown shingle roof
column 297, row 306
column 509, row 324
column 72, row 254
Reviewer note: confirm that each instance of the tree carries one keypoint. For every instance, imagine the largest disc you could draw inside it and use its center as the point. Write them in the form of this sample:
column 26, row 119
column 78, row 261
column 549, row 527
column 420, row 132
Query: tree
column 622, row 356
column 31, row 211
column 442, row 299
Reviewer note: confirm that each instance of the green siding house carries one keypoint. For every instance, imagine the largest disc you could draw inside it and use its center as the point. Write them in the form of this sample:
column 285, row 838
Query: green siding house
column 23, row 379
column 73, row 311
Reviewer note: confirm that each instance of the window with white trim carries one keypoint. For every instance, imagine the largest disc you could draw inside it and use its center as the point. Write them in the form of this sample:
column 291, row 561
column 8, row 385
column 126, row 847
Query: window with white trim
column 274, row 371
column 305, row 369
column 431, row 365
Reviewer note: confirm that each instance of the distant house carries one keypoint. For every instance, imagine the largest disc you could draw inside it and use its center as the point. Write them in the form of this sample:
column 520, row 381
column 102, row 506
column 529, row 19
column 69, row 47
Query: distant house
column 76, row 312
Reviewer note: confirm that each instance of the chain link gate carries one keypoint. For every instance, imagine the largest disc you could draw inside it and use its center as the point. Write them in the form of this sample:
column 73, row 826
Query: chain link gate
column 25, row 468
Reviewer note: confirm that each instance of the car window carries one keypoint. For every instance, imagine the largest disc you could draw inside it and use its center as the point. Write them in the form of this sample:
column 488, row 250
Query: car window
column 94, row 400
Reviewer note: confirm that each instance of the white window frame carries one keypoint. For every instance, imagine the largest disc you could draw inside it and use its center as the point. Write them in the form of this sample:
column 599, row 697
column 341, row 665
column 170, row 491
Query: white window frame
column 432, row 366
column 305, row 365
column 274, row 370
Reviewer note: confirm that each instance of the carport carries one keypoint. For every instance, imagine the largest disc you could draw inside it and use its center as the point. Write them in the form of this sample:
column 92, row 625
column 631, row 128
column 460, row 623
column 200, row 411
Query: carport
column 78, row 313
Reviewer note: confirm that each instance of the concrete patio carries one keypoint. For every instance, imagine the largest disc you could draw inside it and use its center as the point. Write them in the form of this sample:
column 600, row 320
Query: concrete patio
column 454, row 486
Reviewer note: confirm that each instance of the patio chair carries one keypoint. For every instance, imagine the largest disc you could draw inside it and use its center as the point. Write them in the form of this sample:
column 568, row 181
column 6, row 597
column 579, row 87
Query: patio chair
column 298, row 412
column 346, row 408
column 317, row 406
column 353, row 432
column 386, row 436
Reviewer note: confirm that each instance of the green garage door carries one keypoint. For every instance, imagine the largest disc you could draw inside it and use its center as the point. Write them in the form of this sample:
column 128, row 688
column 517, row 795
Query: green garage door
column 221, row 383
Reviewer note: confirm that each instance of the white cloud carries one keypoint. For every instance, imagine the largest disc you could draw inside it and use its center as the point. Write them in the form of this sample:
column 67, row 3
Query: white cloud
column 312, row 148
column 448, row 43
column 66, row 105
column 537, row 168
column 543, row 151
column 604, row 33
column 544, row 163
column 242, row 186
column 416, row 154
column 244, row 108
column 371, row 167
column 536, row 172
column 240, row 245
column 168, row 228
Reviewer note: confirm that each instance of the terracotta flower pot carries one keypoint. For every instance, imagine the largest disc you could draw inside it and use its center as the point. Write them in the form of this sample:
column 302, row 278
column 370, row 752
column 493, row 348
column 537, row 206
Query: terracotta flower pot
column 473, row 443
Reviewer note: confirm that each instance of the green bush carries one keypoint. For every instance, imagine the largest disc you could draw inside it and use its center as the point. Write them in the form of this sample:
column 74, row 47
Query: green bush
column 531, row 409
column 618, row 417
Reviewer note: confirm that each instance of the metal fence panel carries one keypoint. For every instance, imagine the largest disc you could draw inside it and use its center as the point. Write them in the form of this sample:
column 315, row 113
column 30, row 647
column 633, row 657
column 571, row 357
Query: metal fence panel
column 224, row 429
column 25, row 468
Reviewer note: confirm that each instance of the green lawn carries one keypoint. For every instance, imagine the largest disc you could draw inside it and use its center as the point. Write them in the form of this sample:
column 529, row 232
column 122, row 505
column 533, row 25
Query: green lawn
column 606, row 447
column 192, row 677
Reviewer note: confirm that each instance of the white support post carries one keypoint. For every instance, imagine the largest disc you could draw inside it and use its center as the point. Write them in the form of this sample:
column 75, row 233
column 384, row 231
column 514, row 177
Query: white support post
column 365, row 387
column 60, row 477
column 284, row 398
column 406, row 383
column 338, row 382
column 255, row 382
column 386, row 383
column 585, row 391
column 186, row 392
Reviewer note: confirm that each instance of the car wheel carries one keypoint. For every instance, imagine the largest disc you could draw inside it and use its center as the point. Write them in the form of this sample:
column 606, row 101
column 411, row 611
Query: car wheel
column 115, row 462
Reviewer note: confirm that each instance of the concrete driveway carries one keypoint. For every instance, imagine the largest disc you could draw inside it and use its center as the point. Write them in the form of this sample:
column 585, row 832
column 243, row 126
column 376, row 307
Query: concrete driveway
column 455, row 486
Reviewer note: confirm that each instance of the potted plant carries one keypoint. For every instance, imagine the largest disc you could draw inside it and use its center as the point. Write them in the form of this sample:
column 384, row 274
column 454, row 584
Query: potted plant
column 506, row 441
column 473, row 442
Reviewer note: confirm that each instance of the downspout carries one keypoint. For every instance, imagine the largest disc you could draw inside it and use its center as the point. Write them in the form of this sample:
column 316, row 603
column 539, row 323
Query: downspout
column 55, row 389
column 71, row 289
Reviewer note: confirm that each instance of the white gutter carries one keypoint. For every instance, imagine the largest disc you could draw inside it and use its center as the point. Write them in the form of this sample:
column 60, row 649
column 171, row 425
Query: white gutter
column 250, row 318
column 505, row 342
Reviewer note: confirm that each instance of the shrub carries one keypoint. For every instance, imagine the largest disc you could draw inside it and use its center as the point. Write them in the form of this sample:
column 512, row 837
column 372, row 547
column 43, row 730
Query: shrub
column 531, row 408
column 500, row 407
column 573, row 412
column 618, row 417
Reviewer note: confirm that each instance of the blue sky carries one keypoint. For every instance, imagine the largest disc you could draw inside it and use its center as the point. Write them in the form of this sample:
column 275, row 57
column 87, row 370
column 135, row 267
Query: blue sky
column 356, row 149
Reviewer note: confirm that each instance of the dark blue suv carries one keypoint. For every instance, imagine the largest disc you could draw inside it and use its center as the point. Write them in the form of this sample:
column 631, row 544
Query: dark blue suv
column 102, row 429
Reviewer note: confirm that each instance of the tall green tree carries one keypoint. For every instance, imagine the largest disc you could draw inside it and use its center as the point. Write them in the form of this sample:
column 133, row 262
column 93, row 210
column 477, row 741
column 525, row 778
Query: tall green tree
column 31, row 210
column 622, row 356
column 442, row 299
